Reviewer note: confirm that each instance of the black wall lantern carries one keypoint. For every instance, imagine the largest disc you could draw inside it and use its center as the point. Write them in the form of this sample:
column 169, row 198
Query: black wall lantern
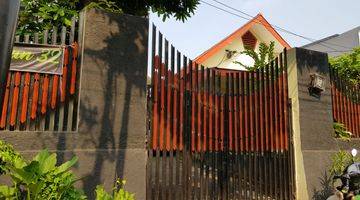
column 317, row 85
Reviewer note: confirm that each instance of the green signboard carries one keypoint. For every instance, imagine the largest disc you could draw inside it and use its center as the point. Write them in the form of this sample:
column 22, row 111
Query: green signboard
column 37, row 58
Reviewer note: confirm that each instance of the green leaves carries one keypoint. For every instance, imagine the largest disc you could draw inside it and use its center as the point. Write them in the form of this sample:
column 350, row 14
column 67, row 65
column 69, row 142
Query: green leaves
column 340, row 161
column 7, row 193
column 348, row 65
column 265, row 55
column 38, row 15
column 39, row 178
column 119, row 193
column 341, row 131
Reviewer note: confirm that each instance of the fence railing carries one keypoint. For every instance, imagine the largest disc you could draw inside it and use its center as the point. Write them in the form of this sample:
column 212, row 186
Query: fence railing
column 345, row 102
column 44, row 102
column 217, row 133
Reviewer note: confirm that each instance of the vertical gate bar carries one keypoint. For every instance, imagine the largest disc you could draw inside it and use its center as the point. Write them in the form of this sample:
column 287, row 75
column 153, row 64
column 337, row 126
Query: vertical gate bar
column 166, row 157
column 53, row 88
column 72, row 89
column 25, row 99
column 277, row 133
column 334, row 92
column 349, row 100
column 218, row 135
column 10, row 100
column 4, row 112
column 347, row 105
column 281, row 103
column 202, row 120
column 184, row 135
column 176, row 142
column 233, row 133
column 351, row 108
column 171, row 121
column 35, row 96
column 276, row 104
column 15, row 99
column 229, row 125
column 195, row 120
column 151, row 101
column 341, row 107
column 198, row 117
column 60, row 109
column 271, row 98
column 238, row 140
column 338, row 99
column 344, row 102
column 207, row 128
column 241, row 111
column 193, row 107
column 210, row 126
column 268, row 132
column 252, row 136
column 244, row 138
column 353, row 100
column 190, row 131
column 262, row 131
column 236, row 110
column 282, row 129
column 30, row 94
column 212, row 134
column 257, row 132
column 217, row 117
column 225, row 149
column 18, row 125
column 158, row 147
column 273, row 130
column 286, row 97
column 229, row 113
column 246, row 110
column 247, row 134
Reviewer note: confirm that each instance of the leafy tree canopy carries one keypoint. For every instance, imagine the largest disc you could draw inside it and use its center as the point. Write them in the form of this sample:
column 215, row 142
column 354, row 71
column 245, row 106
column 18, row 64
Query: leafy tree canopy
column 37, row 15
column 348, row 65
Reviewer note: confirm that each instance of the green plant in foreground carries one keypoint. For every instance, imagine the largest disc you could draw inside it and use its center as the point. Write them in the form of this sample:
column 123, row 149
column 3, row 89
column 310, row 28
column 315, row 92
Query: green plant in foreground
column 341, row 132
column 340, row 161
column 39, row 178
column 119, row 192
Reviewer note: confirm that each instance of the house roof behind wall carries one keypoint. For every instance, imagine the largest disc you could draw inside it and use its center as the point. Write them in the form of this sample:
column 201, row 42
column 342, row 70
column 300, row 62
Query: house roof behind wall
column 258, row 19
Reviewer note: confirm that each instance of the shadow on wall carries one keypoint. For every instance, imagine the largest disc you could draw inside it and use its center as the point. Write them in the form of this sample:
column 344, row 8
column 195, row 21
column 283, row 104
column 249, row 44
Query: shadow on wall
column 326, row 189
column 117, row 48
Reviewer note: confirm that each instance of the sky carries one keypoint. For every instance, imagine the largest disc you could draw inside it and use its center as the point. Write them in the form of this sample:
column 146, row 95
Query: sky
column 315, row 19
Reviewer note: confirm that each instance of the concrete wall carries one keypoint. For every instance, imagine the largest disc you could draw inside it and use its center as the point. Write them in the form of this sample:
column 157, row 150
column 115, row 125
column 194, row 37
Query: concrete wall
column 110, row 141
column 312, row 123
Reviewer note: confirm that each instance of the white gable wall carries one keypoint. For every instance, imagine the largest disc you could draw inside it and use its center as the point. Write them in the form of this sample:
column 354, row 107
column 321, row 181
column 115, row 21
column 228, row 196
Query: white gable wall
column 220, row 60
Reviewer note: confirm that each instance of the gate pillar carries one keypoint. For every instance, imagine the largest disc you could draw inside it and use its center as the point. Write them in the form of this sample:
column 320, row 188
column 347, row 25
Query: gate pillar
column 312, row 121
column 112, row 111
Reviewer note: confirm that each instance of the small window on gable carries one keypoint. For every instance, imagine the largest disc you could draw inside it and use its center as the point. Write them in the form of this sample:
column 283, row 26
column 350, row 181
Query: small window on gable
column 249, row 40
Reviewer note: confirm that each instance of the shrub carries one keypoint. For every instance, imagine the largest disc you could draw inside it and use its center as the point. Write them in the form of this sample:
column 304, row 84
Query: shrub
column 119, row 192
column 341, row 132
column 340, row 161
column 39, row 178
